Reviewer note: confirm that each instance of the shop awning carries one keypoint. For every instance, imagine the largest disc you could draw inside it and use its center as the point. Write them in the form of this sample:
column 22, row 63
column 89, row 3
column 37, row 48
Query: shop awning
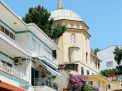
column 9, row 87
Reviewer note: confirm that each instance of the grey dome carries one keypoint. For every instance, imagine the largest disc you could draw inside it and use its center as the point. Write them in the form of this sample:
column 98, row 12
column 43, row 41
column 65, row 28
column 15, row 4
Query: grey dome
column 65, row 14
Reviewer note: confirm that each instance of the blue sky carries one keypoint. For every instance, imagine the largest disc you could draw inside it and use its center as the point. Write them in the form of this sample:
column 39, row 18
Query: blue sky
column 104, row 17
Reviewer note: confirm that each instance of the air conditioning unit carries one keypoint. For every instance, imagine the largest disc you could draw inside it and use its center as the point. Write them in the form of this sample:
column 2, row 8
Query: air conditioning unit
column 18, row 61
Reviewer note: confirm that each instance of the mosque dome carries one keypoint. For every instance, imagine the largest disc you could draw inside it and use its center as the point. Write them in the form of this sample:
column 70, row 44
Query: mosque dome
column 66, row 14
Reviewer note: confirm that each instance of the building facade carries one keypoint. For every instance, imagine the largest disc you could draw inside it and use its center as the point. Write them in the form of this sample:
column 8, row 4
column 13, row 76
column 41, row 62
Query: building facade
column 106, row 55
column 75, row 42
column 26, row 55
column 74, row 48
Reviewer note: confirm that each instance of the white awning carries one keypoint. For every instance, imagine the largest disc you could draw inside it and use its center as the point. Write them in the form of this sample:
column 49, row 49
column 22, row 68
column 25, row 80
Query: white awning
column 48, row 61
column 53, row 71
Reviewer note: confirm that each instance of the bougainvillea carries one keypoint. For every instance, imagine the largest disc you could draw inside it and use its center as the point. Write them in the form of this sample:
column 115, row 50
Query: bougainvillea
column 96, row 88
column 80, row 83
column 61, row 66
column 77, row 82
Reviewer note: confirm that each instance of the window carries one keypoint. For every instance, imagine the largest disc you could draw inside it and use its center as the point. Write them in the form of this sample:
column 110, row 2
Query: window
column 87, row 72
column 73, row 38
column 109, row 64
column 54, row 53
column 86, row 57
column 98, row 65
column 109, row 86
column 91, row 82
column 82, row 70
column 72, row 67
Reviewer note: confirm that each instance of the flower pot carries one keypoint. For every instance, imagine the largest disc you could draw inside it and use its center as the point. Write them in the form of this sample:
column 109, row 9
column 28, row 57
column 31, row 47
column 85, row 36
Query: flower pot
column 66, row 89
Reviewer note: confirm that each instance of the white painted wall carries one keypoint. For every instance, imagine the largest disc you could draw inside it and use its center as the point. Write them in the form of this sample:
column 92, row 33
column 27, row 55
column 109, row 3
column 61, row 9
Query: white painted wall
column 106, row 55
column 24, row 68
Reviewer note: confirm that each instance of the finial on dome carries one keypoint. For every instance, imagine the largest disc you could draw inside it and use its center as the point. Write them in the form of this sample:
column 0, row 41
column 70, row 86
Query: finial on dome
column 60, row 4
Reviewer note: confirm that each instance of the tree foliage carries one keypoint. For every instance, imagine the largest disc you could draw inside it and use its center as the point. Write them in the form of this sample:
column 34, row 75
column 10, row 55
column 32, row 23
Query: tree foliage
column 40, row 16
column 95, row 50
column 118, row 55
column 88, row 87
column 107, row 72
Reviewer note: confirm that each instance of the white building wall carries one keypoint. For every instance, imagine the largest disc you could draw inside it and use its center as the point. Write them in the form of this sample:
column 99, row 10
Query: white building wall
column 24, row 68
column 107, row 55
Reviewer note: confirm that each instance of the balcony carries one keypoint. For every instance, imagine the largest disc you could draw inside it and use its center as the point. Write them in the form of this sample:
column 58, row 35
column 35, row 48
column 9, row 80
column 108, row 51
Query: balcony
column 41, row 84
column 11, row 71
column 11, row 47
column 48, row 60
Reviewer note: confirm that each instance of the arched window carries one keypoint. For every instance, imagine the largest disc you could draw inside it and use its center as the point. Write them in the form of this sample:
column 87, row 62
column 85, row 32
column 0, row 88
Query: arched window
column 73, row 38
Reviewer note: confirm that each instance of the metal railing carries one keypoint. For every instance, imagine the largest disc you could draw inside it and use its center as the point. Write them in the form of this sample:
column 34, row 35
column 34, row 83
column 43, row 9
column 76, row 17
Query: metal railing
column 11, row 71
column 47, row 82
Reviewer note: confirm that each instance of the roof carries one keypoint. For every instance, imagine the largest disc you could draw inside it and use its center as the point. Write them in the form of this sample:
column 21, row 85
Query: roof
column 14, row 21
column 65, row 14
column 98, row 77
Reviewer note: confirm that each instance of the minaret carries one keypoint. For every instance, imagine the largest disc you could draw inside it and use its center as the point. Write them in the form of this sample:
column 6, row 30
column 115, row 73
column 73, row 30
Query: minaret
column 60, row 4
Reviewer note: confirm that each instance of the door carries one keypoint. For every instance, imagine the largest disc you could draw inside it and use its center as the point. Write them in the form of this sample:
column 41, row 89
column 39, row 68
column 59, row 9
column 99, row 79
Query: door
column 34, row 74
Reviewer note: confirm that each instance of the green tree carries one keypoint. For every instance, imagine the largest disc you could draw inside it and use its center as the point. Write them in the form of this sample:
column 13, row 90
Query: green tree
column 118, row 55
column 95, row 50
column 40, row 16
column 88, row 87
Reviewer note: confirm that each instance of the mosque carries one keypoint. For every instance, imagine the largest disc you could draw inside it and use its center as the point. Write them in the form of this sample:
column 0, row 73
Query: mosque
column 74, row 48
column 75, row 42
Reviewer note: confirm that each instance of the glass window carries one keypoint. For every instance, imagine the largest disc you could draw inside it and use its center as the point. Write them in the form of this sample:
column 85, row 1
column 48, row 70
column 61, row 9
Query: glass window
column 109, row 64
column 98, row 65
column 87, row 72
column 86, row 57
column 109, row 86
column 82, row 70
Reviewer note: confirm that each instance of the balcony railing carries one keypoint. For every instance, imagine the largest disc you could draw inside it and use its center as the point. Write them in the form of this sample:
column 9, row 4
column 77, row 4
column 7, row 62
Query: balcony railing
column 14, row 41
column 11, row 71
column 43, row 82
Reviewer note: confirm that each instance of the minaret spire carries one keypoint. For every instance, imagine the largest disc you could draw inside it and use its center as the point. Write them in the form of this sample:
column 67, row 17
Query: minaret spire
column 60, row 4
